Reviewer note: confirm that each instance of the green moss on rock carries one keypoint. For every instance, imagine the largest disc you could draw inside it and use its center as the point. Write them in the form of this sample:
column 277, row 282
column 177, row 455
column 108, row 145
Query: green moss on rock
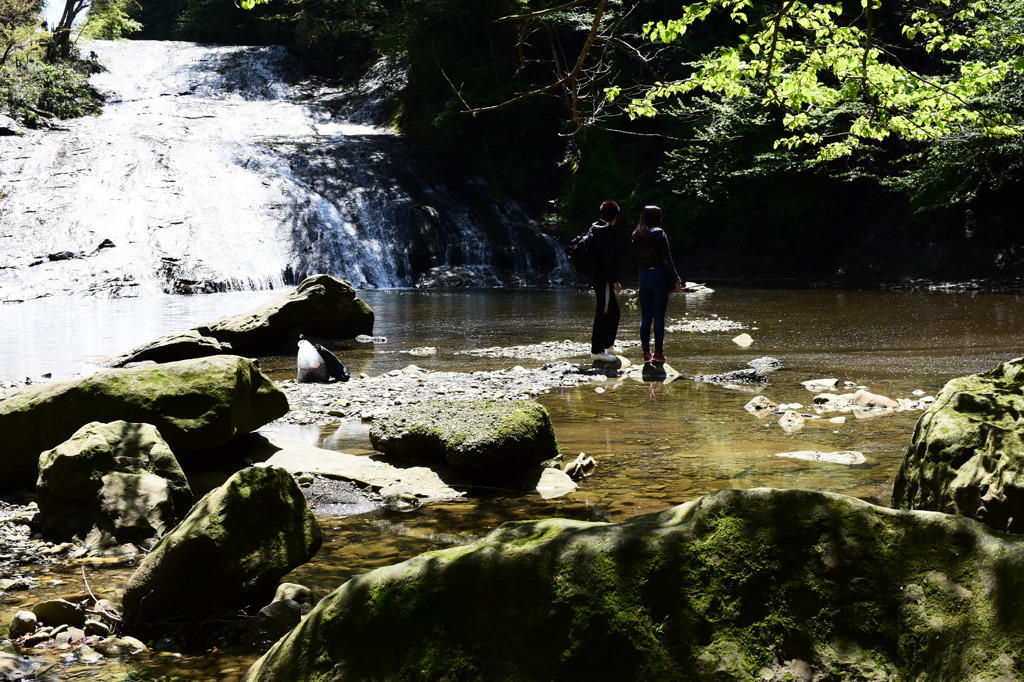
column 468, row 433
column 967, row 452
column 736, row 585
column 229, row 551
column 195, row 404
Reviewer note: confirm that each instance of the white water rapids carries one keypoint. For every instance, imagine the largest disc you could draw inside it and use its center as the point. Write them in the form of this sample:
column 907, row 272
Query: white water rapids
column 218, row 168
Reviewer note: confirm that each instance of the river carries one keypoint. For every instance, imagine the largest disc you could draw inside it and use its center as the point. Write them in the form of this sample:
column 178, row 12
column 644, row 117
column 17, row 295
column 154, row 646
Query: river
column 656, row 444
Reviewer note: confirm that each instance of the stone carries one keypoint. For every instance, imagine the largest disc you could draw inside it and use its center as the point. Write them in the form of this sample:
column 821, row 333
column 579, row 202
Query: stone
column 743, row 340
column 96, row 628
column 791, row 421
column 23, row 623
column 696, row 288
column 14, row 668
column 298, row 456
column 848, row 457
column 864, row 398
column 229, row 552
column 468, row 433
column 119, row 646
column 739, row 376
column 117, row 482
column 819, row 384
column 297, row 593
column 766, row 363
column 194, row 404
column 54, row 612
column 657, row 371
column 735, row 585
column 8, row 126
column 321, row 306
column 612, row 365
column 554, row 483
column 274, row 621
column 967, row 453
column 87, row 654
column 760, row 403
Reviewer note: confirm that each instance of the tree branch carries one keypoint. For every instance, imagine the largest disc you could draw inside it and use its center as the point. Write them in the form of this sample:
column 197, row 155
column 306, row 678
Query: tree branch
column 541, row 13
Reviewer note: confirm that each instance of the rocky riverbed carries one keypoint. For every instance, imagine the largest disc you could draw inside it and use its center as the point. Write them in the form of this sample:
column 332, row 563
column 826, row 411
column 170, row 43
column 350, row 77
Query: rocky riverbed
column 364, row 397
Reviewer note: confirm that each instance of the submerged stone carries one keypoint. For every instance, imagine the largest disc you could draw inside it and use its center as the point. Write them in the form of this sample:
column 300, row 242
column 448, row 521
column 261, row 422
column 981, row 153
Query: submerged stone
column 736, row 585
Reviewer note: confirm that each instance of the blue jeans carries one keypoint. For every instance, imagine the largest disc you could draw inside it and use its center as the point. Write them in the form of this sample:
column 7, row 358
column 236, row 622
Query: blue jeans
column 653, row 292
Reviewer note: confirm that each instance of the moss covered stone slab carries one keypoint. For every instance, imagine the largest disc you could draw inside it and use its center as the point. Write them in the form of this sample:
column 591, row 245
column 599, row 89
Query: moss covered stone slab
column 194, row 404
column 111, row 484
column 737, row 585
column 467, row 433
column 321, row 306
column 967, row 453
column 230, row 552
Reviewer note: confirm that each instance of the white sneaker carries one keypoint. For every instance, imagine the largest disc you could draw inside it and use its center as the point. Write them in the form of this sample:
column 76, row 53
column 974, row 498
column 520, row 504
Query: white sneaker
column 603, row 357
column 613, row 350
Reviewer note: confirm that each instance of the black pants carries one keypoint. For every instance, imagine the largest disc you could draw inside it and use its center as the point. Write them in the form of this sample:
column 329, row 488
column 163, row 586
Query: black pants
column 606, row 317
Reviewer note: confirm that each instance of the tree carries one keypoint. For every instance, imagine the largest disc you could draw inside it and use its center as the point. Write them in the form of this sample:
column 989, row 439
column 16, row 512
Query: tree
column 111, row 19
column 839, row 75
column 60, row 42
column 19, row 21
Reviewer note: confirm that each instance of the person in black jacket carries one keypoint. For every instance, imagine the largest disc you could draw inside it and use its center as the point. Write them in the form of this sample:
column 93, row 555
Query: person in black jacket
column 606, row 284
column 658, row 277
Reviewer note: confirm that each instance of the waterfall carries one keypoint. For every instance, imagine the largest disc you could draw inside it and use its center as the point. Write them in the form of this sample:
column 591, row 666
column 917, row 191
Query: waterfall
column 220, row 168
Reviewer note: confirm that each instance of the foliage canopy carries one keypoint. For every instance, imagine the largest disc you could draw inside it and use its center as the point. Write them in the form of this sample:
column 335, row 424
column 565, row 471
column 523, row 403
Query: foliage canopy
column 840, row 74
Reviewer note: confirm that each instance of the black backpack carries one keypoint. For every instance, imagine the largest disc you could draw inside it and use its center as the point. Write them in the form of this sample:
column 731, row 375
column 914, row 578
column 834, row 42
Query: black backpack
column 583, row 255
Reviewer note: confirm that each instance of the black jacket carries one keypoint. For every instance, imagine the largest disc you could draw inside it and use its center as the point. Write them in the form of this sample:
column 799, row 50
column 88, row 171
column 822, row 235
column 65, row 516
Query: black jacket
column 607, row 261
column 658, row 254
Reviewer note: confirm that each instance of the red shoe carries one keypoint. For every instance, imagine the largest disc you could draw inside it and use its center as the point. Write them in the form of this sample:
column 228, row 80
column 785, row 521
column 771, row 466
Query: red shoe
column 648, row 357
column 659, row 357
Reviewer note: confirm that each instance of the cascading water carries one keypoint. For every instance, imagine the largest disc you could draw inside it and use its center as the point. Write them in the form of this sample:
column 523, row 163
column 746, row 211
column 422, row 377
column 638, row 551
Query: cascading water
column 218, row 168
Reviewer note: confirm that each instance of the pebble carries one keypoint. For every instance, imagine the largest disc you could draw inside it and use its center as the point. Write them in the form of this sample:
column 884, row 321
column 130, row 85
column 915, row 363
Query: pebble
column 364, row 398
column 704, row 326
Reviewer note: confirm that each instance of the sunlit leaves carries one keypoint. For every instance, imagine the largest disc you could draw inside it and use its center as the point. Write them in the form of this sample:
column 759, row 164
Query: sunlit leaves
column 807, row 60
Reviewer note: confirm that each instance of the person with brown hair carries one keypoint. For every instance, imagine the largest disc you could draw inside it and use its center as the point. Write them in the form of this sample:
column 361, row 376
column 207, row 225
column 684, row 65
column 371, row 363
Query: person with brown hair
column 658, row 277
column 606, row 282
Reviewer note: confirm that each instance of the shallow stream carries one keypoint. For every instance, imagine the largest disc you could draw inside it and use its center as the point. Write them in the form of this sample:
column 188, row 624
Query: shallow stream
column 656, row 444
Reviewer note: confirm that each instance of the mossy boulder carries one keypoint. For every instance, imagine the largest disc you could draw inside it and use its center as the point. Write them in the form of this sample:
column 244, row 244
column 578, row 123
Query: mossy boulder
column 967, row 453
column 230, row 552
column 737, row 585
column 321, row 306
column 194, row 404
column 467, row 433
column 111, row 484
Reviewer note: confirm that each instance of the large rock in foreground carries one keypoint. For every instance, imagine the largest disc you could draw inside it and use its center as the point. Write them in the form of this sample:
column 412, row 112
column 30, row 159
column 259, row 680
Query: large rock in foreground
column 467, row 433
column 967, row 453
column 321, row 306
column 194, row 404
column 230, row 552
column 737, row 585
column 111, row 484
